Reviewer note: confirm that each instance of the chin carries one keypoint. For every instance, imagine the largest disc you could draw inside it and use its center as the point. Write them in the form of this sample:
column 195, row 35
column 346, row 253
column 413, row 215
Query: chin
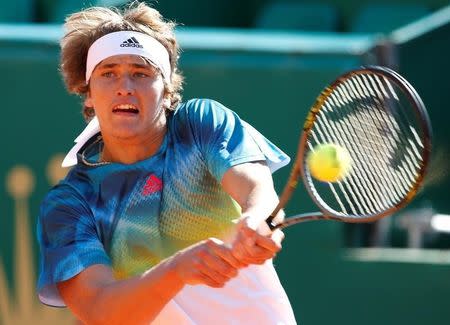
column 124, row 133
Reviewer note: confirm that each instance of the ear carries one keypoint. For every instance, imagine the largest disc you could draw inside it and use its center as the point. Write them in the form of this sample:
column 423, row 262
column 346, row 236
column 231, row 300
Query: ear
column 88, row 100
column 167, row 101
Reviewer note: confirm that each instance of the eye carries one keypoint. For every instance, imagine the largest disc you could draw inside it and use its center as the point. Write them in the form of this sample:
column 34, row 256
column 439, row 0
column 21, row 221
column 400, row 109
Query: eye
column 141, row 74
column 107, row 74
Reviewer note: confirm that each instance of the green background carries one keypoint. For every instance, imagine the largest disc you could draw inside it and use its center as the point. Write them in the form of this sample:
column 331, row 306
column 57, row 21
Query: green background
column 270, row 82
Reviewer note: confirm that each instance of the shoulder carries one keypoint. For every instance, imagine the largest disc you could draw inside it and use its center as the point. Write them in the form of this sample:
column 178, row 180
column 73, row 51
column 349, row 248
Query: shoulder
column 69, row 194
column 200, row 107
column 61, row 195
column 200, row 113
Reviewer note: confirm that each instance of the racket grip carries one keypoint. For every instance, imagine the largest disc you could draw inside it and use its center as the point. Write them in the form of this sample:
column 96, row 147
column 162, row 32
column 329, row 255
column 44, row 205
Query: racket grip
column 270, row 222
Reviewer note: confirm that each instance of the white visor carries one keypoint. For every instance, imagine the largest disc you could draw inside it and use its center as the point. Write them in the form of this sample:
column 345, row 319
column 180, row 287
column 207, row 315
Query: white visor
column 128, row 42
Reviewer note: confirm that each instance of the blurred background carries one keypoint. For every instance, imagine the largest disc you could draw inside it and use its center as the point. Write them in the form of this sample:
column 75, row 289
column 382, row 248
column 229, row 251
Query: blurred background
column 267, row 60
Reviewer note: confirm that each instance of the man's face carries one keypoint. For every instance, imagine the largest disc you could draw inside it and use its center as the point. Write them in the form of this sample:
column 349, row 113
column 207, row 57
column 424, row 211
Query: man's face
column 127, row 94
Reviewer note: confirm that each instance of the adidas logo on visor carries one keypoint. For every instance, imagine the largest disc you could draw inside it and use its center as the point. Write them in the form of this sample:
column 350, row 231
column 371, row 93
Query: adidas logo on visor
column 131, row 42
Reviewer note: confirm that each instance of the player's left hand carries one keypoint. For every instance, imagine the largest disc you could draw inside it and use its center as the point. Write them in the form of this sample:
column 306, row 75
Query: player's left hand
column 255, row 246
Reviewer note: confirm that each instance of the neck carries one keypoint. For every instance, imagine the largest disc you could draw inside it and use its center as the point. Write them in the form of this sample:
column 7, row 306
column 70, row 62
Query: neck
column 127, row 151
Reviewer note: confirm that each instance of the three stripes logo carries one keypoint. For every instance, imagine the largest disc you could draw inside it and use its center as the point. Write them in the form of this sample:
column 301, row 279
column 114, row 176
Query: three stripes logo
column 131, row 42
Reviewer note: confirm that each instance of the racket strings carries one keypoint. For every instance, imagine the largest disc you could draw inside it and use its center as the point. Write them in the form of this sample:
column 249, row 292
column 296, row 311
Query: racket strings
column 360, row 182
column 358, row 193
column 407, row 152
column 363, row 183
column 363, row 160
column 382, row 141
column 392, row 124
column 321, row 139
column 388, row 103
column 413, row 139
column 365, row 114
column 388, row 134
column 363, row 125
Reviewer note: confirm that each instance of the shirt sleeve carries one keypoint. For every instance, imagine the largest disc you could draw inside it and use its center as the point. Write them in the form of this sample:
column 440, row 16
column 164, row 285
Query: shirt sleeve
column 68, row 241
column 226, row 140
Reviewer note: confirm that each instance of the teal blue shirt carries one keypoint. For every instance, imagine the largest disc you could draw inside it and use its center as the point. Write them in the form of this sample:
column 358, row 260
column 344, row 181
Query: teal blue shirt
column 132, row 216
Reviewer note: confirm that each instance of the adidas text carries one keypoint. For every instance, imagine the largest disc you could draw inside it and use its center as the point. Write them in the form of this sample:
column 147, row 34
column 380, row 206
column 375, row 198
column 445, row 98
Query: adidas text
column 131, row 45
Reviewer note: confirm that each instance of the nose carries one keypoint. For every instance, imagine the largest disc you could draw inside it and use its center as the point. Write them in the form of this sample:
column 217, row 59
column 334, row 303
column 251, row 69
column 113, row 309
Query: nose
column 125, row 86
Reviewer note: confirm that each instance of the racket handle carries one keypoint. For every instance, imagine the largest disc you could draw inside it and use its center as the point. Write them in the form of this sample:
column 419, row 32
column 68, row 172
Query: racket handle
column 270, row 222
column 299, row 218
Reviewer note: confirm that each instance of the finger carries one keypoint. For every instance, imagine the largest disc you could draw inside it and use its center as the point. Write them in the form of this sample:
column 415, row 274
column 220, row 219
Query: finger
column 245, row 239
column 247, row 234
column 251, row 255
column 259, row 261
column 202, row 278
column 278, row 236
column 251, row 240
column 252, row 248
column 239, row 251
column 220, row 266
column 195, row 274
column 232, row 260
column 212, row 273
column 259, row 253
column 269, row 243
column 254, row 260
column 219, row 248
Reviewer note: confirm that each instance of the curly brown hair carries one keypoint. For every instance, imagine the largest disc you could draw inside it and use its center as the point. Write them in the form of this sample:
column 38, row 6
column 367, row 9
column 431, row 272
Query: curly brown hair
column 83, row 28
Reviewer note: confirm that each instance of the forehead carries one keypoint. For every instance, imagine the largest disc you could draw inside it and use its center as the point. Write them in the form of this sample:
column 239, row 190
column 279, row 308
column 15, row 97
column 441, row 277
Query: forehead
column 125, row 59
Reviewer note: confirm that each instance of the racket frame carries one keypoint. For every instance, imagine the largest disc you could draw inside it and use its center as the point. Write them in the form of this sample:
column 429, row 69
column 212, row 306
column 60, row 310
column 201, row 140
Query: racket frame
column 300, row 169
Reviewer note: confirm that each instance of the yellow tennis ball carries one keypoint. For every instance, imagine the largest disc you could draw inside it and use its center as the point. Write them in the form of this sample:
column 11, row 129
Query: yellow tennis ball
column 329, row 162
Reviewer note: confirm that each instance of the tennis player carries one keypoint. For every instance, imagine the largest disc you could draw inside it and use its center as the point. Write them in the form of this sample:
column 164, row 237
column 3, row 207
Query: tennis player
column 161, row 219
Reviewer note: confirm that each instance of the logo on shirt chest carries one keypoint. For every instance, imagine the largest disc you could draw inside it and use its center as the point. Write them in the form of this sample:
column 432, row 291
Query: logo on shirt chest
column 153, row 184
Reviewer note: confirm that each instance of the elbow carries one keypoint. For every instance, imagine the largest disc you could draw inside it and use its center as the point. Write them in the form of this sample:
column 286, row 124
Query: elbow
column 95, row 316
column 95, row 312
column 100, row 312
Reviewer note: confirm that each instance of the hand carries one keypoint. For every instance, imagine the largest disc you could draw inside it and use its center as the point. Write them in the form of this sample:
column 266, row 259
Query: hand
column 252, row 246
column 208, row 262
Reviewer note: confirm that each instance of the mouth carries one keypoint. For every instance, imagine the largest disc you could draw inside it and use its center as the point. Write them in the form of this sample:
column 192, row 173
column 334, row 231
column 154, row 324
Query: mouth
column 127, row 109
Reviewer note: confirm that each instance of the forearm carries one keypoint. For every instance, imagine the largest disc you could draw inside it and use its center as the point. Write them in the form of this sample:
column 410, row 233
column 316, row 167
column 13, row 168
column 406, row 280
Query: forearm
column 259, row 204
column 251, row 186
column 141, row 298
column 97, row 298
column 135, row 300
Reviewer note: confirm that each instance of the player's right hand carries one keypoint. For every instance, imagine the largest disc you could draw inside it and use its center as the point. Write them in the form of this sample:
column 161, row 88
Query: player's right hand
column 209, row 262
column 254, row 245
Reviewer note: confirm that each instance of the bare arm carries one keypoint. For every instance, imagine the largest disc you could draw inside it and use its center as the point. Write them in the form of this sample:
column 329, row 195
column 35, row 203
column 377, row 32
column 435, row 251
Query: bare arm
column 95, row 297
column 251, row 185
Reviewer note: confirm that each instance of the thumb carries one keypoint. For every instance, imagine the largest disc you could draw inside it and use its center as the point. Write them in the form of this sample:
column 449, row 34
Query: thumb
column 277, row 236
column 249, row 222
column 245, row 233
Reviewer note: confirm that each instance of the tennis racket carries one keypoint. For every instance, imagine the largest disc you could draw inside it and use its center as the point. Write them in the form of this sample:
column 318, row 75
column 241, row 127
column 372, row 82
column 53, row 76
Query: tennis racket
column 380, row 119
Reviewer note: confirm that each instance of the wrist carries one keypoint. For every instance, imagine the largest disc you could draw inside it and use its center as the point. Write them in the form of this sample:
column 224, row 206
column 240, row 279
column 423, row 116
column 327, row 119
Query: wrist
column 173, row 271
column 164, row 280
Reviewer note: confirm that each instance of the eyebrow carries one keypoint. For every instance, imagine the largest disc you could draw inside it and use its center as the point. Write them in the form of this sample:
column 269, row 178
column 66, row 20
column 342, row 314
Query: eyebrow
column 134, row 65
